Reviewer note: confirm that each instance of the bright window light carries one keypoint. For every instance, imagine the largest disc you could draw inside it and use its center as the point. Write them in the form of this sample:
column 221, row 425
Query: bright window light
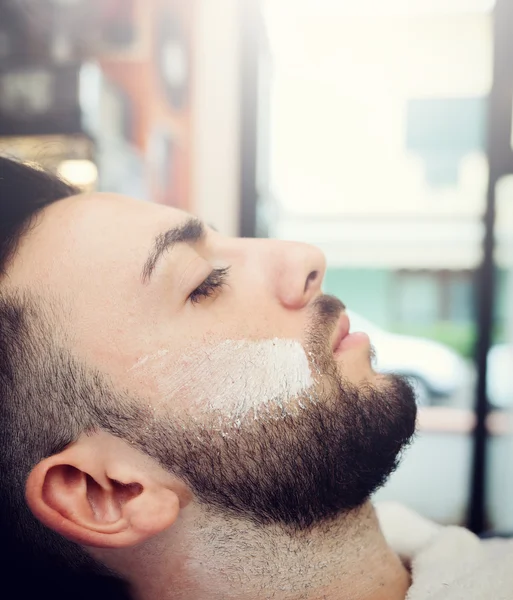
column 82, row 173
column 384, row 7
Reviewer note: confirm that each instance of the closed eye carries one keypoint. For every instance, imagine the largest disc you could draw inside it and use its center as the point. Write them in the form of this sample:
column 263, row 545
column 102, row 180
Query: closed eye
column 212, row 285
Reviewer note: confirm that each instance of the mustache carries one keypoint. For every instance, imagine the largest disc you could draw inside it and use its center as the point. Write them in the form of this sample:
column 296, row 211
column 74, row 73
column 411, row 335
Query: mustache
column 327, row 309
column 325, row 313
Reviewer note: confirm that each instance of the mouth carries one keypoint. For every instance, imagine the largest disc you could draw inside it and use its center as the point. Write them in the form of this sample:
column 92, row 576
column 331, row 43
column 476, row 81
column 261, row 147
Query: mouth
column 341, row 332
column 345, row 340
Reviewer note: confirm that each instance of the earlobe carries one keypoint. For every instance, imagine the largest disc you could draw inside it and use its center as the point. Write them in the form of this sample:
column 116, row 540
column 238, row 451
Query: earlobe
column 93, row 509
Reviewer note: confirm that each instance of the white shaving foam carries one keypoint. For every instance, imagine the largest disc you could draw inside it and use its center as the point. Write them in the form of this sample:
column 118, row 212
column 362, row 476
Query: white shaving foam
column 234, row 378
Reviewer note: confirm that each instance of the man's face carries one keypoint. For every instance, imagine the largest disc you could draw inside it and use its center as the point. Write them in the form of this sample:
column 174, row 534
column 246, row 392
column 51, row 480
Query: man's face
column 91, row 252
column 229, row 341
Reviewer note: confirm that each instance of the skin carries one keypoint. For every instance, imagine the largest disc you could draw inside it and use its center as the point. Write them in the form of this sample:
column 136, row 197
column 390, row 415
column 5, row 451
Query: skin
column 88, row 252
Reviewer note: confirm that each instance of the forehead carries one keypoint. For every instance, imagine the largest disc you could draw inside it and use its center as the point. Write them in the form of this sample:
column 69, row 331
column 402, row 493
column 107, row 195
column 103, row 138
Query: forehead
column 83, row 230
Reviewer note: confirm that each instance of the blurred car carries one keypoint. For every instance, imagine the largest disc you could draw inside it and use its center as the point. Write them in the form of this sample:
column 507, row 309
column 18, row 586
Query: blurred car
column 437, row 372
column 500, row 376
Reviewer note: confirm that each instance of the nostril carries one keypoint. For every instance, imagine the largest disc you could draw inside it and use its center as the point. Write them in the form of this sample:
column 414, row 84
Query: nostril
column 310, row 279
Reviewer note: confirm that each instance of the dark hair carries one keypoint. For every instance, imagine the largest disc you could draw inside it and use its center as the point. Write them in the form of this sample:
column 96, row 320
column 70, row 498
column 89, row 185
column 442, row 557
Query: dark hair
column 47, row 399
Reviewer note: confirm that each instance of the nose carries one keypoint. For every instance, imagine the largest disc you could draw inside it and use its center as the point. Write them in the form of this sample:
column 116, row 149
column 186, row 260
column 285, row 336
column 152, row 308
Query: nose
column 299, row 271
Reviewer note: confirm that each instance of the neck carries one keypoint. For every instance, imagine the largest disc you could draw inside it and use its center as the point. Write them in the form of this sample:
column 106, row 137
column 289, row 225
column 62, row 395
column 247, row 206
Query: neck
column 229, row 559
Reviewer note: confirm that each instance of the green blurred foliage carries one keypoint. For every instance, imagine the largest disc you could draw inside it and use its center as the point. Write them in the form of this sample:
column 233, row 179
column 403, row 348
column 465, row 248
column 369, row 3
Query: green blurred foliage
column 459, row 336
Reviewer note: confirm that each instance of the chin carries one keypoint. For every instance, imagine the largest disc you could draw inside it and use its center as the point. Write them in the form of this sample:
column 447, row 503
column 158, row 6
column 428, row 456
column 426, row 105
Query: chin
column 381, row 380
column 357, row 369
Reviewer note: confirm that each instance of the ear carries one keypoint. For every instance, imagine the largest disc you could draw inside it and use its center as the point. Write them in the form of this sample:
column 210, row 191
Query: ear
column 101, row 492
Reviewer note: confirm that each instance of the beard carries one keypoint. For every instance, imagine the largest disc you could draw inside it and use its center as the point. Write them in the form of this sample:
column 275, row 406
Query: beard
column 301, row 468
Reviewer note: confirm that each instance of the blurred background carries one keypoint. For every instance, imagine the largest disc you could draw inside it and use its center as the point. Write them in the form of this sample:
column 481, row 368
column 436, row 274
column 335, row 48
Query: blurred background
column 379, row 131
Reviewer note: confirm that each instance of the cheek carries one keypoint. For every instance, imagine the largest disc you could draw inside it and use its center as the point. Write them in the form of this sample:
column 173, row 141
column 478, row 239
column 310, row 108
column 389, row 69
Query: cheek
column 210, row 323
column 236, row 319
column 232, row 379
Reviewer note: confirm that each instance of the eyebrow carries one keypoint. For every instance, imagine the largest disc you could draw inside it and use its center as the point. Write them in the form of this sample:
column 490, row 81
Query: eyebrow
column 191, row 231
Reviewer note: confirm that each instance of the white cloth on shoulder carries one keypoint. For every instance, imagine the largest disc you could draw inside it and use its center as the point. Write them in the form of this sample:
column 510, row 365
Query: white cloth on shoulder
column 447, row 563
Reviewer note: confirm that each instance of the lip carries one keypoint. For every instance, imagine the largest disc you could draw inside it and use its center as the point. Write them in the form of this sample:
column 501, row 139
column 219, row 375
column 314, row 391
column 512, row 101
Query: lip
column 341, row 332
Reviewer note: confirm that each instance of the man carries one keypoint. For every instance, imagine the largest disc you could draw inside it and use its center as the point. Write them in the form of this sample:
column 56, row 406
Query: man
column 186, row 416
column 183, row 411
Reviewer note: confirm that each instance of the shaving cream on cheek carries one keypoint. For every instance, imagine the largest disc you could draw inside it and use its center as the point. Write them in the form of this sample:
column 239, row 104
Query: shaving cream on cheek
column 236, row 378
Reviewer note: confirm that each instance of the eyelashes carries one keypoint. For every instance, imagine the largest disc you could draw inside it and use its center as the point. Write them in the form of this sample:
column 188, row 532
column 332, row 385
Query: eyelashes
column 211, row 286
